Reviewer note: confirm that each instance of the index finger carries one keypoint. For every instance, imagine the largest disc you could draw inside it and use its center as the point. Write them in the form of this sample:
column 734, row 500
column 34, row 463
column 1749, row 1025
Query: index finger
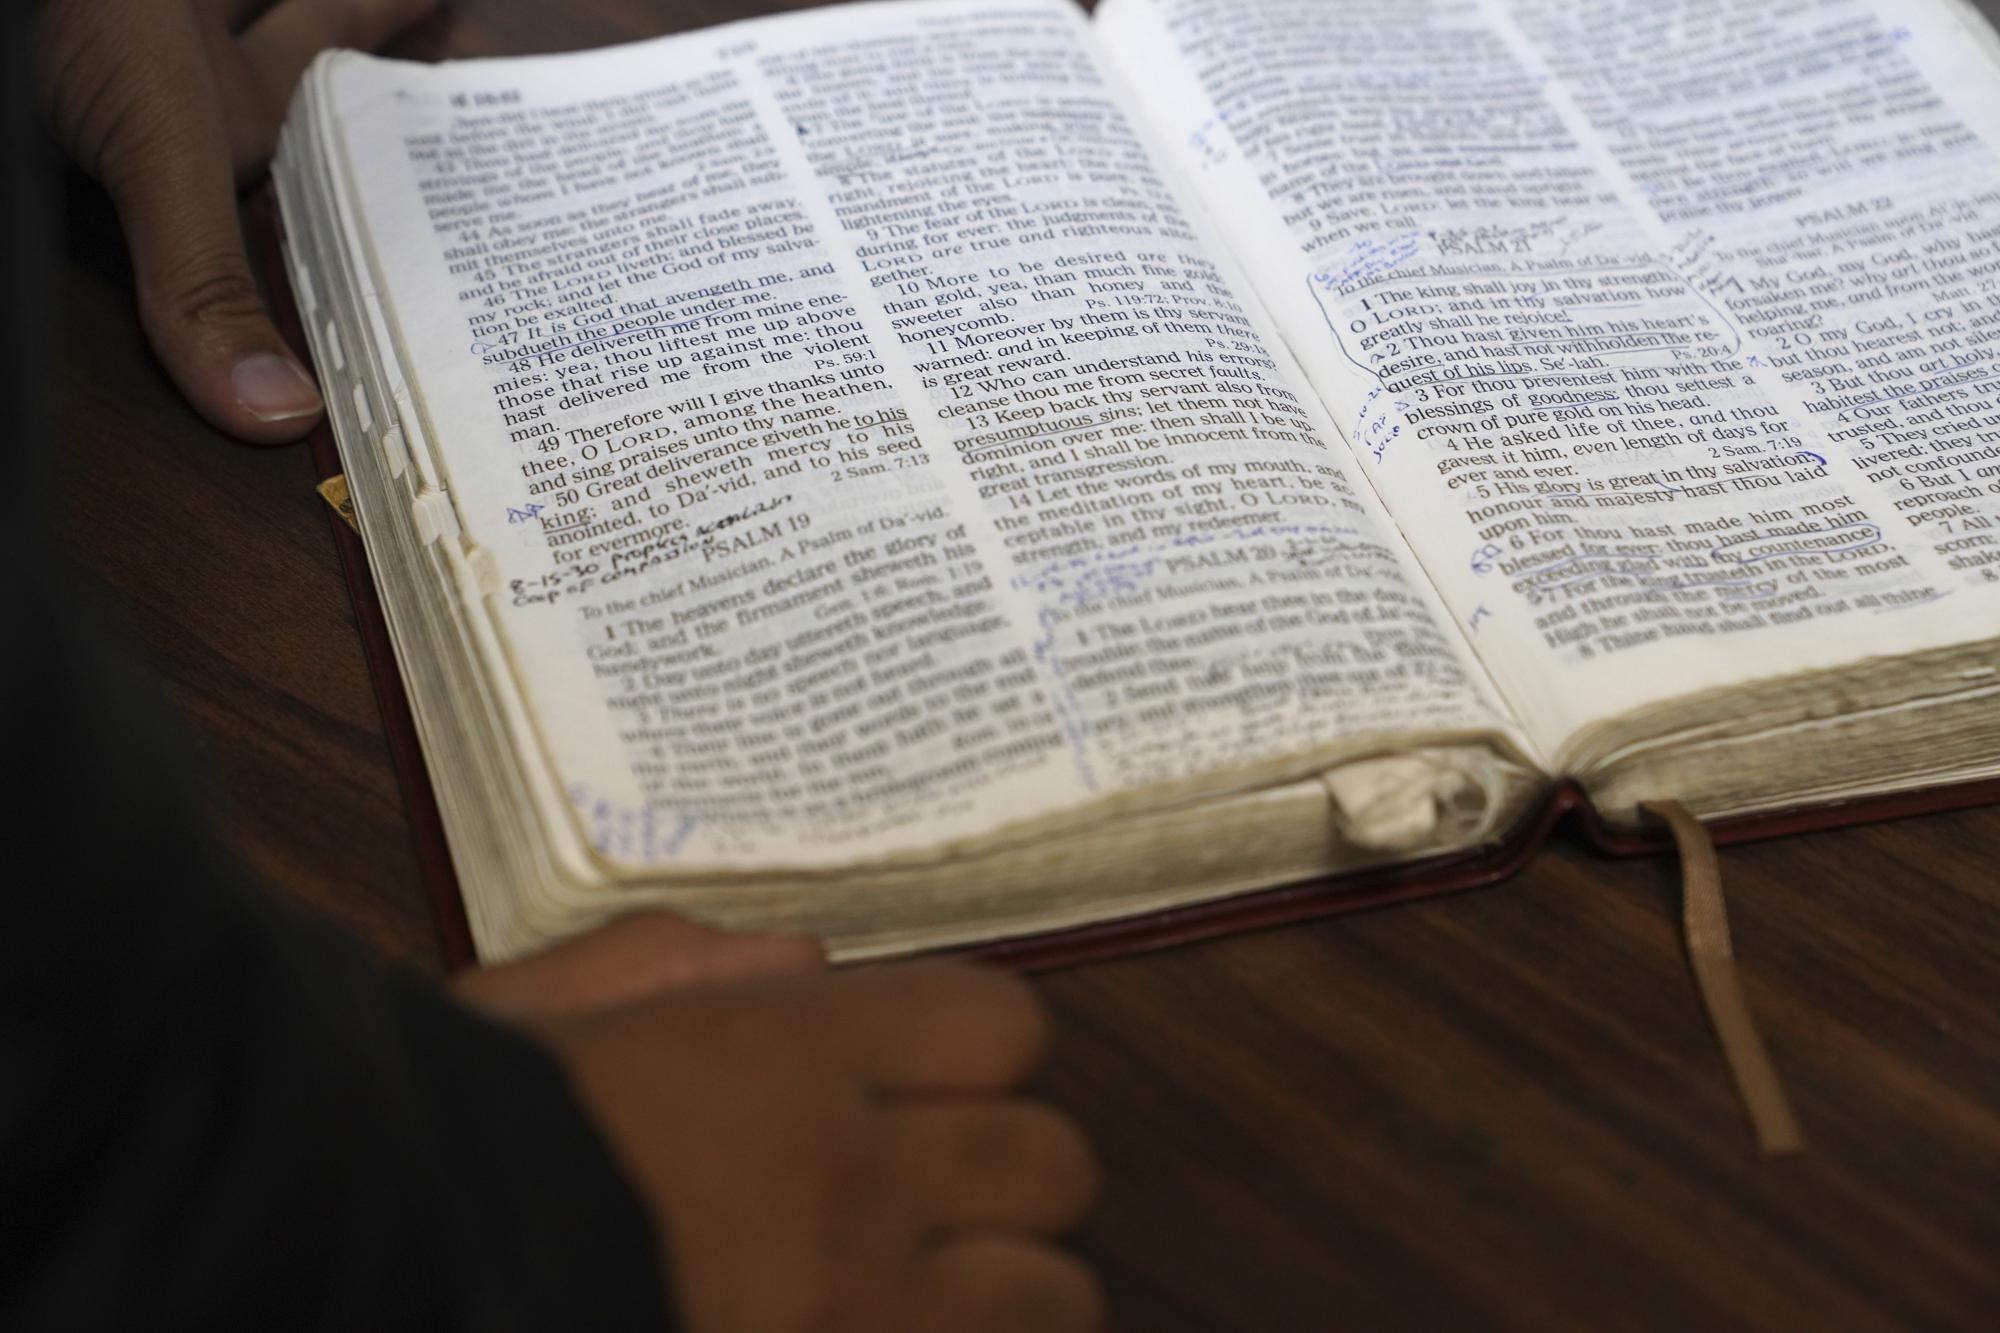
column 935, row 1029
column 285, row 39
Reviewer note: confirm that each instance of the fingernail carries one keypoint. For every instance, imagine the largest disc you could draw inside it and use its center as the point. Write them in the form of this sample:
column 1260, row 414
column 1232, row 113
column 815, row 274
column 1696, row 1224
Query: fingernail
column 274, row 388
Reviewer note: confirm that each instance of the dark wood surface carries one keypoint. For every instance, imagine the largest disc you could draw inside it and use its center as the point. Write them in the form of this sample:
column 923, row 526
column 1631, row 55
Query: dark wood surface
column 1501, row 1110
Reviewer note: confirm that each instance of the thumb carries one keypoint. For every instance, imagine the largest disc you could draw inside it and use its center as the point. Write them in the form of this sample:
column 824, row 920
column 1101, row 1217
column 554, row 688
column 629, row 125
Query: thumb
column 197, row 301
column 156, row 139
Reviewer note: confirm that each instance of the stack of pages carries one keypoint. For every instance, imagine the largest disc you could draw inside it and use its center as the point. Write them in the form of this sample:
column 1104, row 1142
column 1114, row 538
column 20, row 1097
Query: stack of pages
column 945, row 471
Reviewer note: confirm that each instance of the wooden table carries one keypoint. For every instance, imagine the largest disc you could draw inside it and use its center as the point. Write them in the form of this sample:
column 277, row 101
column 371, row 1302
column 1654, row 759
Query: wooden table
column 1500, row 1110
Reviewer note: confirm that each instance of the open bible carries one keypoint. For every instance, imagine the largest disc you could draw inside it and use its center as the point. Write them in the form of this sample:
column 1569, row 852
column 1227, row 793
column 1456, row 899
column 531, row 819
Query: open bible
column 955, row 470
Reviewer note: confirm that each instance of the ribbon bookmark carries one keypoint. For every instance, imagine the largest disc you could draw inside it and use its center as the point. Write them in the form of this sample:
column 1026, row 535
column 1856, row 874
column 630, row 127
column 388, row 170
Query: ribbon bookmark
column 1705, row 924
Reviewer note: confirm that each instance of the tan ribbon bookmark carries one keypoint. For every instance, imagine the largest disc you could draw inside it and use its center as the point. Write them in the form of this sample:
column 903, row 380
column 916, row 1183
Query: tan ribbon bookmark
column 1705, row 922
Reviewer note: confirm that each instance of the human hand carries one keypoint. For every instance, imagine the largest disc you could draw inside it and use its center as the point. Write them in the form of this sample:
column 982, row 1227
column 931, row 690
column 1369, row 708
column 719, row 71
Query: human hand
column 634, row 958
column 170, row 104
column 843, row 1153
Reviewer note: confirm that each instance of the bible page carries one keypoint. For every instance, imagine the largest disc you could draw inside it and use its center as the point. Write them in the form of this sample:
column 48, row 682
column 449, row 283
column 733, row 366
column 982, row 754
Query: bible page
column 1669, row 331
column 862, row 446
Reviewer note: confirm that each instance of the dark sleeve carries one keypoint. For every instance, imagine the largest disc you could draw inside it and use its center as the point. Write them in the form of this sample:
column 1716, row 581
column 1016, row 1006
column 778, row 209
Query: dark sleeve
column 215, row 1113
